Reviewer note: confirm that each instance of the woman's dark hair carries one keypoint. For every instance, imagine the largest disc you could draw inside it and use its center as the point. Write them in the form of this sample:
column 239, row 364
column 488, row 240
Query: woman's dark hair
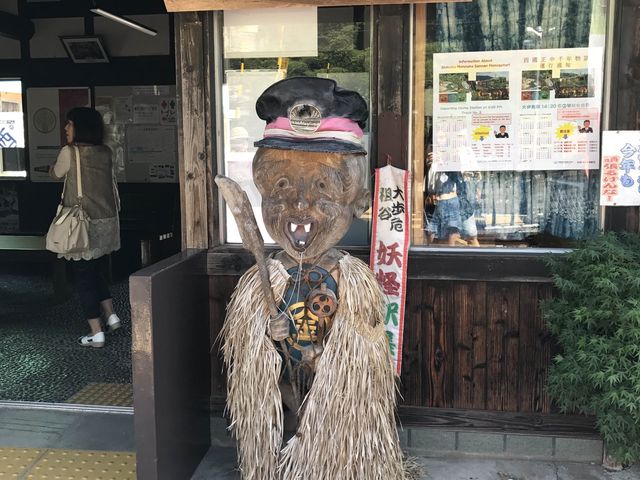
column 88, row 125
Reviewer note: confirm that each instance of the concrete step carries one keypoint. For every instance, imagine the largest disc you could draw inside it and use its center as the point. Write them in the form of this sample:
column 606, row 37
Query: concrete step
column 424, row 441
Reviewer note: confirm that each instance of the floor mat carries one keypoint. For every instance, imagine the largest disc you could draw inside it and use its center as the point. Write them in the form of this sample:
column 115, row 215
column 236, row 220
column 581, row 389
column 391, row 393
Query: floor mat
column 114, row 394
column 42, row 464
column 16, row 461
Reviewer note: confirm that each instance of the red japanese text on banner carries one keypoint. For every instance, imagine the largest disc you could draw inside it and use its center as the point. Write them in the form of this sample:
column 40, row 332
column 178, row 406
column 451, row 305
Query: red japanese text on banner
column 389, row 249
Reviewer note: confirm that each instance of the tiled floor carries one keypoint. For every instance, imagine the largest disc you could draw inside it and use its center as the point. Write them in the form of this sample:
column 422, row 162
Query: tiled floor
column 56, row 464
column 113, row 394
column 65, row 445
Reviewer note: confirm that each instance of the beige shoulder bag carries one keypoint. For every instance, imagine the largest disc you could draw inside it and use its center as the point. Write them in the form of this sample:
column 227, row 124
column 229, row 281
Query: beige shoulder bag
column 69, row 230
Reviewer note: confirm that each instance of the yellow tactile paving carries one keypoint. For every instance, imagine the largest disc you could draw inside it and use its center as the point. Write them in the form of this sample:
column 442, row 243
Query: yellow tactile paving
column 14, row 462
column 83, row 465
column 113, row 394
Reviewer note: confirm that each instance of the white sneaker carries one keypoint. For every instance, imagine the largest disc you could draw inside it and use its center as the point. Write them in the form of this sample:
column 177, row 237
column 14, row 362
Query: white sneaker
column 95, row 341
column 113, row 323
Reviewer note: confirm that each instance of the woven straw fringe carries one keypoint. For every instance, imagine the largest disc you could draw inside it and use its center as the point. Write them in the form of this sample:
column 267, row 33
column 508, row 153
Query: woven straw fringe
column 413, row 470
column 347, row 430
column 253, row 368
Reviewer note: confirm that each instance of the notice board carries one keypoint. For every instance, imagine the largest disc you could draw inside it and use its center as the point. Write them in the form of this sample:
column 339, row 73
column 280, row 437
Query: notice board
column 140, row 128
column 517, row 110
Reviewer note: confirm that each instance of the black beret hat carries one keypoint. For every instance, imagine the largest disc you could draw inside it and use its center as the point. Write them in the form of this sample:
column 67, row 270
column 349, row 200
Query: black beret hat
column 312, row 114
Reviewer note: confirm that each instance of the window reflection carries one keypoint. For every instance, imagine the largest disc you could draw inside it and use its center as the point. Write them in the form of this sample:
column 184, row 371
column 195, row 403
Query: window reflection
column 343, row 54
column 12, row 162
column 459, row 199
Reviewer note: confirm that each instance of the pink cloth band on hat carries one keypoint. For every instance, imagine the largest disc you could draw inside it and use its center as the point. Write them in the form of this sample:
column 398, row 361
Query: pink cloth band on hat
column 333, row 124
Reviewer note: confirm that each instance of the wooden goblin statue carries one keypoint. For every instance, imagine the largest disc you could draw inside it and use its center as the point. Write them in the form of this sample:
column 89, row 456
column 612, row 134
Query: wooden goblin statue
column 304, row 327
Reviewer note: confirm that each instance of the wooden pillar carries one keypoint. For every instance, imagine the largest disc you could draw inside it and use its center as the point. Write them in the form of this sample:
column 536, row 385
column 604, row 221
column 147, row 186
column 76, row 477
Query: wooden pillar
column 391, row 77
column 195, row 153
column 625, row 110
column 418, row 154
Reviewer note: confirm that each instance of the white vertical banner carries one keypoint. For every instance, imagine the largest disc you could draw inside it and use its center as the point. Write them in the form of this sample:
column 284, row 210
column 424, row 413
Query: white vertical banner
column 620, row 170
column 390, row 248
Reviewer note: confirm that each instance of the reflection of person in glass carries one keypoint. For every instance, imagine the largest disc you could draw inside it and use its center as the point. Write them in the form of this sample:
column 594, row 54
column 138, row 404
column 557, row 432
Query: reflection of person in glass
column 453, row 217
column 502, row 133
column 239, row 139
column 586, row 127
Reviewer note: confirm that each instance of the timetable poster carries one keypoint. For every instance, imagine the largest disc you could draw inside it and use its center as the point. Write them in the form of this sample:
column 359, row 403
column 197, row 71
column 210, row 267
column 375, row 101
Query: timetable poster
column 517, row 110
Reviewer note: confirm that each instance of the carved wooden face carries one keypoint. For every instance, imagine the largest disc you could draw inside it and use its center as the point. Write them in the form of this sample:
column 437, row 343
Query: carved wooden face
column 309, row 199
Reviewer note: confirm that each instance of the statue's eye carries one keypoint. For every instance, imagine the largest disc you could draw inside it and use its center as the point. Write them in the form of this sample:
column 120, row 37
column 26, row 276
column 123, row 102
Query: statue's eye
column 282, row 183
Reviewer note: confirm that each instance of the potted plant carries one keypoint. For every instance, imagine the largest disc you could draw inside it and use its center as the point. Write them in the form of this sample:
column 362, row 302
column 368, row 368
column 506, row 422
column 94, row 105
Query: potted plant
column 595, row 318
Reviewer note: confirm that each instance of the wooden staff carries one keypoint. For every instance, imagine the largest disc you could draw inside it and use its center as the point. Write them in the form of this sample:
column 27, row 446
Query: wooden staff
column 240, row 206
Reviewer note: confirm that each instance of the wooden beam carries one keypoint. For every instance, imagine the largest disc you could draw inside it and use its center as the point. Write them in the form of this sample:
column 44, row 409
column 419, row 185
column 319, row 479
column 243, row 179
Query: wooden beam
column 509, row 267
column 487, row 421
column 391, row 122
column 499, row 422
column 199, row 5
column 193, row 154
column 418, row 157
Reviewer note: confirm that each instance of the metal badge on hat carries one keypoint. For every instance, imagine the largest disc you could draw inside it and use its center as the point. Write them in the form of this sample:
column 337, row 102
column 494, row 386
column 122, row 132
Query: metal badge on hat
column 305, row 118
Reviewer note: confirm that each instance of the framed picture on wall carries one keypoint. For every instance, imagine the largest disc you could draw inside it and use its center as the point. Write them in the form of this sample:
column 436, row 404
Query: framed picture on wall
column 85, row 49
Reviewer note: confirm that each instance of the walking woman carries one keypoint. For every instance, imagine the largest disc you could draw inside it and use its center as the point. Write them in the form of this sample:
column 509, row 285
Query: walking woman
column 84, row 129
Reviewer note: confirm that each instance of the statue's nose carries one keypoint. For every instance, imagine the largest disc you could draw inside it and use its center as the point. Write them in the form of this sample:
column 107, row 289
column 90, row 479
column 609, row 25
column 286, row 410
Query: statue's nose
column 302, row 203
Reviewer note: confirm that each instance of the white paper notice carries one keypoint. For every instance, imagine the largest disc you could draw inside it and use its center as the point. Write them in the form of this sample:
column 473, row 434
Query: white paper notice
column 146, row 113
column 41, row 158
column 620, row 172
column 271, row 32
column 151, row 143
column 123, row 109
column 168, row 110
column 517, row 110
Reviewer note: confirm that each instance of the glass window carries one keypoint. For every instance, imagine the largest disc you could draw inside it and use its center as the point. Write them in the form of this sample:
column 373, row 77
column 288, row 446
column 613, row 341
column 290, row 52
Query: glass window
column 506, row 127
column 339, row 50
column 12, row 162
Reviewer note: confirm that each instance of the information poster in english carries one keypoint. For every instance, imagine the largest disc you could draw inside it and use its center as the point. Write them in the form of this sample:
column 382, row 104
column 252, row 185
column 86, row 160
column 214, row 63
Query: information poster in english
column 517, row 110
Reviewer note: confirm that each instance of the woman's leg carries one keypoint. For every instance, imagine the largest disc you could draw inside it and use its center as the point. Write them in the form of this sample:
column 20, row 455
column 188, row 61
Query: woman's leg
column 104, row 295
column 106, row 301
column 88, row 286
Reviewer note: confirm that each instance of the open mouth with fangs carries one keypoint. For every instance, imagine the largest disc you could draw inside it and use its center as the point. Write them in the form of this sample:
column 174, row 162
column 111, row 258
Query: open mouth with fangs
column 300, row 233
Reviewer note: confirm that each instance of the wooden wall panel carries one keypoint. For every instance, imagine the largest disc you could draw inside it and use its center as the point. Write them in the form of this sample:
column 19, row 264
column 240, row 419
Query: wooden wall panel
column 502, row 355
column 541, row 356
column 470, row 333
column 439, row 336
column 463, row 346
column 411, row 390
column 469, row 345
column 527, row 371
column 510, row 375
column 479, row 322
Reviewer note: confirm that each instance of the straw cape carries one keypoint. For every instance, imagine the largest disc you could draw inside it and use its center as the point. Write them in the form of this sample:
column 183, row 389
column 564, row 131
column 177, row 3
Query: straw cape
column 347, row 428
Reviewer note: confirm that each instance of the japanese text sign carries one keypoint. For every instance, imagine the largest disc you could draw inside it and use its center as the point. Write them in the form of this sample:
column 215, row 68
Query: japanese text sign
column 620, row 170
column 389, row 249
